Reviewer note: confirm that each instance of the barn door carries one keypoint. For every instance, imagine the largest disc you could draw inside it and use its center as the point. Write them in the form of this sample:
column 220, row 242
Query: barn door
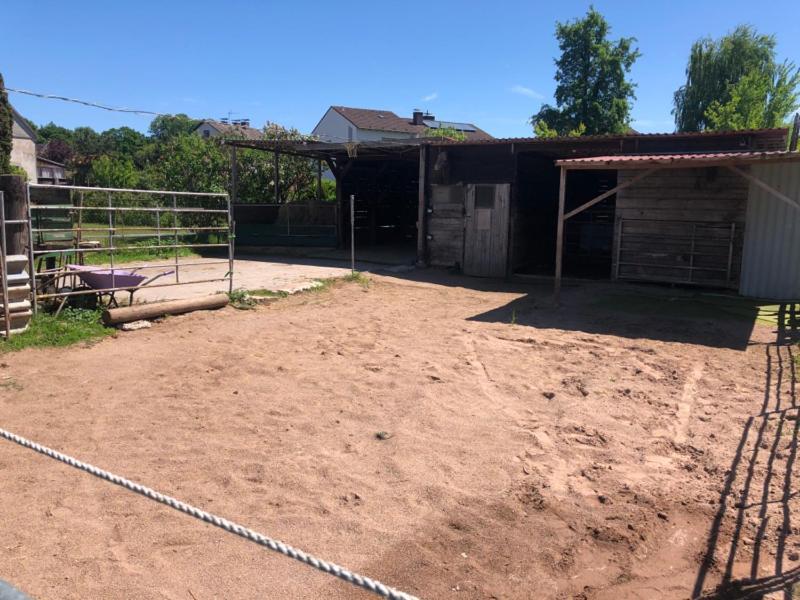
column 486, row 230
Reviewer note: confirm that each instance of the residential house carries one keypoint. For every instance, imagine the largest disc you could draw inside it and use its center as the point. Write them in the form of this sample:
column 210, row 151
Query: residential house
column 342, row 124
column 23, row 145
column 237, row 129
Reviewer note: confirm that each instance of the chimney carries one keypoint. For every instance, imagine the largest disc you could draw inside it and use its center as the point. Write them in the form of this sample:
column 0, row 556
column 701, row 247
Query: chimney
column 416, row 117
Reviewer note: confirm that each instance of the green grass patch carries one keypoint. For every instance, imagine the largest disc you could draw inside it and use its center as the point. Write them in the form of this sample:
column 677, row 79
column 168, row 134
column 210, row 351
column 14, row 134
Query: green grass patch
column 264, row 293
column 142, row 250
column 245, row 299
column 70, row 327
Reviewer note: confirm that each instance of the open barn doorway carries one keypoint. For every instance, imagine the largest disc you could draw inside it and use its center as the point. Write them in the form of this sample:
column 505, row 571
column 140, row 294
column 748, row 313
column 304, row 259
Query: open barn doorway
column 588, row 236
column 386, row 201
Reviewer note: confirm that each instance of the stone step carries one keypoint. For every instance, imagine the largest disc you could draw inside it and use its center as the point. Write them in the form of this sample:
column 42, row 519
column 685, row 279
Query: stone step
column 16, row 307
column 17, row 293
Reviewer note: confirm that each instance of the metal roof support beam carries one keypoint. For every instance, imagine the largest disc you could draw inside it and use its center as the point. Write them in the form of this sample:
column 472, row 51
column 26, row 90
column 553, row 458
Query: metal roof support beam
column 605, row 195
column 562, row 197
column 793, row 202
column 422, row 214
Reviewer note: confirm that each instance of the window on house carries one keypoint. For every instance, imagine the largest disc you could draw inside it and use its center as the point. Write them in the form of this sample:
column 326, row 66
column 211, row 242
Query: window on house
column 484, row 196
column 349, row 134
column 206, row 133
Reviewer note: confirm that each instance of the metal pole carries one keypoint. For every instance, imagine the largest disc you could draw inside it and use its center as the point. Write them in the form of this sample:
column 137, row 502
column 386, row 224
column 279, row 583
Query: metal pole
column 30, row 251
column 288, row 219
column 175, row 225
column 352, row 233
column 562, row 196
column 111, row 241
column 230, row 246
column 4, row 260
column 277, row 179
column 319, row 180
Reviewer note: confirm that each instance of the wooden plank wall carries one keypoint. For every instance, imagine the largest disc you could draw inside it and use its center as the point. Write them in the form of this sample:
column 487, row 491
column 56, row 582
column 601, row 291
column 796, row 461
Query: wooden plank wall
column 446, row 225
column 665, row 210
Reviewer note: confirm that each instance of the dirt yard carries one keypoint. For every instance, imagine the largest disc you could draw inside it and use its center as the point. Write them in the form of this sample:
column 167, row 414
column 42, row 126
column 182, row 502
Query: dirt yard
column 572, row 453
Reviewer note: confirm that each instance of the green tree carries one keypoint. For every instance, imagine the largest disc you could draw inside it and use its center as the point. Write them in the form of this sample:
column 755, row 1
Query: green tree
column 592, row 95
column 736, row 83
column 6, row 125
column 116, row 172
column 446, row 133
column 51, row 131
column 298, row 175
column 167, row 127
column 189, row 163
column 122, row 141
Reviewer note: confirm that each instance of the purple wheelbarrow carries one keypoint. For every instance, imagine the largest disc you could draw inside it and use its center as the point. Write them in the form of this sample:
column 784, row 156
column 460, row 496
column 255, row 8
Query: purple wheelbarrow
column 109, row 281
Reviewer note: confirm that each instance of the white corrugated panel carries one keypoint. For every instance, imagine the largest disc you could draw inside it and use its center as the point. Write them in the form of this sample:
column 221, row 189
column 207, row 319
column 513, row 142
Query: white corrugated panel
column 771, row 261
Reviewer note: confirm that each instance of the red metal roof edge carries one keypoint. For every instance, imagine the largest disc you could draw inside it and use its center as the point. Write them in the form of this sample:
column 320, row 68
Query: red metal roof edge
column 678, row 157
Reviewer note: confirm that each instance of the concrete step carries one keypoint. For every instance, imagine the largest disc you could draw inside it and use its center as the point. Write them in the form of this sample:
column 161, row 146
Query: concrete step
column 18, row 320
column 18, row 279
column 17, row 293
column 16, row 307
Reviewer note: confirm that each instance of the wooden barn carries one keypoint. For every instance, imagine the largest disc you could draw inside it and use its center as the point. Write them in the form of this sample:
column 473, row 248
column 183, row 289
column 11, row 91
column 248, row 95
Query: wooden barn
column 717, row 209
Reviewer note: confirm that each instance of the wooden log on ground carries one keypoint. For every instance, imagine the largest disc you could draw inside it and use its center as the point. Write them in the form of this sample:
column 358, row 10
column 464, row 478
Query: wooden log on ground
column 153, row 310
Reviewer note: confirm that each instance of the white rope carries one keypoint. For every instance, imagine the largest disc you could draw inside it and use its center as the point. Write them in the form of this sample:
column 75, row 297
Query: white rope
column 376, row 587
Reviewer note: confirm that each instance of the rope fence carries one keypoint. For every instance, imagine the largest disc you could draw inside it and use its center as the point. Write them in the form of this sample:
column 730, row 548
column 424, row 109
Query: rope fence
column 371, row 585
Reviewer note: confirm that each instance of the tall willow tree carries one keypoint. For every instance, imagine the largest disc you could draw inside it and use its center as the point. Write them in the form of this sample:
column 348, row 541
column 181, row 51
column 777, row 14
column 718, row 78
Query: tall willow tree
column 6, row 123
column 736, row 83
column 592, row 95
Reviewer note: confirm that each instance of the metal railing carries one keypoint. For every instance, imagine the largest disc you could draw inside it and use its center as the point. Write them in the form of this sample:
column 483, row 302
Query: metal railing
column 58, row 231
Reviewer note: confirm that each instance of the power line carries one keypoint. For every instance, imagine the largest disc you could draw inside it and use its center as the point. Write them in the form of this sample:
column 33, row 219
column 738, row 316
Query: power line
column 388, row 142
column 86, row 103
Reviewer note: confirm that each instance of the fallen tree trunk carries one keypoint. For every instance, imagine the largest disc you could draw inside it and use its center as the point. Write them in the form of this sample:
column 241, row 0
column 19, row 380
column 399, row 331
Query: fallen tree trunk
column 136, row 312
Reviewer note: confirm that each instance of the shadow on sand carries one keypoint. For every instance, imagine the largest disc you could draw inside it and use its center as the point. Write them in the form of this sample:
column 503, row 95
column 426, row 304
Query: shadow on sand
column 757, row 501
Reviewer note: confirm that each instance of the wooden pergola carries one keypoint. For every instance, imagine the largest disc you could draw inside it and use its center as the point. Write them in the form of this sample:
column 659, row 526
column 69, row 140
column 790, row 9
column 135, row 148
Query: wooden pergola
column 651, row 163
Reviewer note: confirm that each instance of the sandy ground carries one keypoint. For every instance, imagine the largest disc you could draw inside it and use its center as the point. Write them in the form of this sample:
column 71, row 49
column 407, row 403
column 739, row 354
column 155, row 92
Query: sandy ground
column 534, row 452
column 250, row 272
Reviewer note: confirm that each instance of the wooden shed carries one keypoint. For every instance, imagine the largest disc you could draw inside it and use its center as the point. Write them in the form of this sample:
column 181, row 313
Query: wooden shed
column 675, row 208
column 714, row 219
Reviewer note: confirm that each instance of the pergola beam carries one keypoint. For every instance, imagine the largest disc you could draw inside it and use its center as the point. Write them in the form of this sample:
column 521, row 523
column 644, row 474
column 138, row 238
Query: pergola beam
column 605, row 195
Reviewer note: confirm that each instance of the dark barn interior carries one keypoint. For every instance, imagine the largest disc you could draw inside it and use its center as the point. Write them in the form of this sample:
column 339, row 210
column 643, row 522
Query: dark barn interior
column 385, row 192
column 588, row 238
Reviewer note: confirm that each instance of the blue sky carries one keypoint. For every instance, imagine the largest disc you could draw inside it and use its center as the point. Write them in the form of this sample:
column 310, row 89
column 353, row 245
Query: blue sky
column 490, row 63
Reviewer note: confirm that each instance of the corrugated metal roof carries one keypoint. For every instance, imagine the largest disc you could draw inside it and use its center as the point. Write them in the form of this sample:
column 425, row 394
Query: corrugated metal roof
column 771, row 260
column 687, row 158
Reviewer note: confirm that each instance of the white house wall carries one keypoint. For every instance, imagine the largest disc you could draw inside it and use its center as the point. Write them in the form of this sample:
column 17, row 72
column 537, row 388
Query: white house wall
column 333, row 127
column 23, row 154
column 771, row 262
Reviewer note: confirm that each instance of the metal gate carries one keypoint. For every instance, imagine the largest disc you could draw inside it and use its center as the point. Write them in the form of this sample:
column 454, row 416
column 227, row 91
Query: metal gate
column 86, row 240
column 693, row 252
